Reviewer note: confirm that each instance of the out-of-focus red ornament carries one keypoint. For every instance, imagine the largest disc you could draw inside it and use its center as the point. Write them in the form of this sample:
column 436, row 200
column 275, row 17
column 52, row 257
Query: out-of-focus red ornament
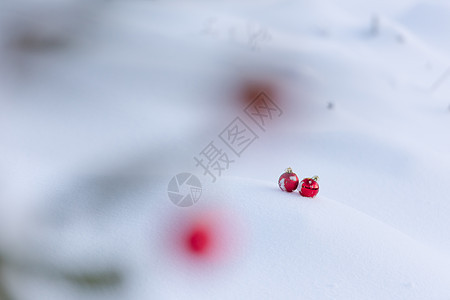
column 199, row 240
column 288, row 181
column 309, row 187
column 252, row 88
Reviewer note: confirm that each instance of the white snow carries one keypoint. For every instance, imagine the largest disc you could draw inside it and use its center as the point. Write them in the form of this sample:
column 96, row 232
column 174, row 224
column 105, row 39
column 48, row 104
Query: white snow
column 282, row 184
column 101, row 105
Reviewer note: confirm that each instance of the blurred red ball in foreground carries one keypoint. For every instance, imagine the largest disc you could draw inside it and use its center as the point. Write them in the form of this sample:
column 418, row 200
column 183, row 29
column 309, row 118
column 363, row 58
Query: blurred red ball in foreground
column 199, row 240
column 309, row 187
column 204, row 237
column 288, row 181
column 251, row 88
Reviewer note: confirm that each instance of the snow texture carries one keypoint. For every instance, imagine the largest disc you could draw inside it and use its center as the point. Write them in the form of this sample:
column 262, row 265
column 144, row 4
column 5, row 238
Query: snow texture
column 103, row 102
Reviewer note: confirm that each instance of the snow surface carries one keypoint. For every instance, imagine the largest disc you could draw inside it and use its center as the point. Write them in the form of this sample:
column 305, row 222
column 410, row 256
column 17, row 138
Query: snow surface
column 102, row 103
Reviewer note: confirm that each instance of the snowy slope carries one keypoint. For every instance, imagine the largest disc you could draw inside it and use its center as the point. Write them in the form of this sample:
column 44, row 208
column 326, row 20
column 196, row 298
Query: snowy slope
column 97, row 117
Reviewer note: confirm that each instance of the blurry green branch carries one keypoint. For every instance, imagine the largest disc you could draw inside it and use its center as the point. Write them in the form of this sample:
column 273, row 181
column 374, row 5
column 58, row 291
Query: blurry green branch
column 95, row 280
column 108, row 278
column 3, row 294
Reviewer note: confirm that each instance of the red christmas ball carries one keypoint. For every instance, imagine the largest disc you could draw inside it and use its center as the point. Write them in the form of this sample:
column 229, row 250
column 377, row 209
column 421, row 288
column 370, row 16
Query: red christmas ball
column 198, row 240
column 288, row 181
column 309, row 187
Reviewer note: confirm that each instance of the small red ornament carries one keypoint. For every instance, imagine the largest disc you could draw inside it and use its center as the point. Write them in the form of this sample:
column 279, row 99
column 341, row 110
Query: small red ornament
column 288, row 181
column 309, row 187
column 199, row 240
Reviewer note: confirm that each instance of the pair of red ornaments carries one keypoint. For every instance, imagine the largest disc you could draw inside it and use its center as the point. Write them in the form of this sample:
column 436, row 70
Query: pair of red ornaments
column 288, row 182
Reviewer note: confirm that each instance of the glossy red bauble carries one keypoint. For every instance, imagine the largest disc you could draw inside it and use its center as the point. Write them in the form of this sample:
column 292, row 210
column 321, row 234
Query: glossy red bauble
column 288, row 181
column 309, row 187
